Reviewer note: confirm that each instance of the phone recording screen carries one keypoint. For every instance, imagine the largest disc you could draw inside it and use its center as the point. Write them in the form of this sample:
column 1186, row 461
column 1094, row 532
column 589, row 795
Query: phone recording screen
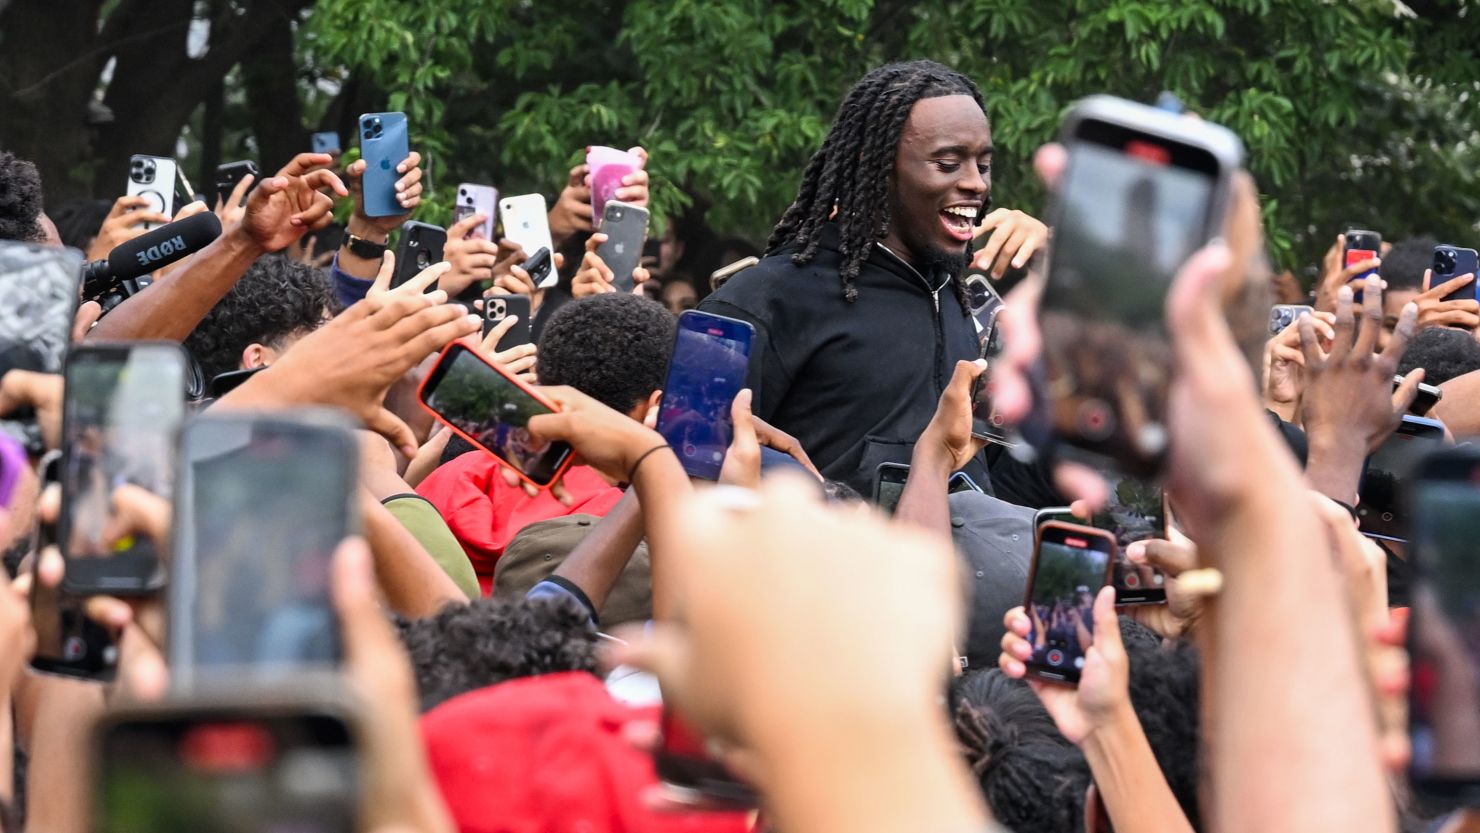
column 708, row 368
column 1070, row 570
column 1131, row 212
column 123, row 407
column 1379, row 507
column 1444, row 632
column 1134, row 512
column 274, row 774
column 264, row 505
column 38, row 294
column 493, row 412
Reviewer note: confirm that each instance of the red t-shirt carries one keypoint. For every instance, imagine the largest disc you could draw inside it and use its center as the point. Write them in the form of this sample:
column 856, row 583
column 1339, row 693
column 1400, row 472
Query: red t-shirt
column 485, row 514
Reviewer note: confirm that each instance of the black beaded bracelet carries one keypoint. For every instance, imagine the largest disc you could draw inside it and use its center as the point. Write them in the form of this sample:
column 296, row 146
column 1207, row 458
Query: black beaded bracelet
column 631, row 473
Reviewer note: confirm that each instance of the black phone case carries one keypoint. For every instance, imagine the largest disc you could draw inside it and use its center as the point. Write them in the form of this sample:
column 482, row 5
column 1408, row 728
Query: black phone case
column 421, row 246
column 499, row 307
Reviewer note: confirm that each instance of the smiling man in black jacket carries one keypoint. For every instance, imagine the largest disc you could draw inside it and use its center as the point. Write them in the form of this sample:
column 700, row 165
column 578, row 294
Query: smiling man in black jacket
column 859, row 310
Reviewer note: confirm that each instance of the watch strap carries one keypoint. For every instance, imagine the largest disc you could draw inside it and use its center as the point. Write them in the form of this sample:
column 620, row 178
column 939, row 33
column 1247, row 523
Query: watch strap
column 360, row 247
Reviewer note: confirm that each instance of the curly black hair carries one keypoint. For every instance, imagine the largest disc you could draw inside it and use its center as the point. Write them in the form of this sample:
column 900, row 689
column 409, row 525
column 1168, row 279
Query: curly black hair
column 1164, row 693
column 612, row 347
column 20, row 200
column 1030, row 775
column 276, row 298
column 472, row 646
column 847, row 181
column 1443, row 353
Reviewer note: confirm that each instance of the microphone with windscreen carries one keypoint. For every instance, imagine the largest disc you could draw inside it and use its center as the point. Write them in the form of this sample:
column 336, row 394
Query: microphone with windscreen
column 111, row 281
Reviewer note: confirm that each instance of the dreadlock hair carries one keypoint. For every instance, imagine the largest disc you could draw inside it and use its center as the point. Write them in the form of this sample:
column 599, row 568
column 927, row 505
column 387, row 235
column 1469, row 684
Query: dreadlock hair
column 855, row 165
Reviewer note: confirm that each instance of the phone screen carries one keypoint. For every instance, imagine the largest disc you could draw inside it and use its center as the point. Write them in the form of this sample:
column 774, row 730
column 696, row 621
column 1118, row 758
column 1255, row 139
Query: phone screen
column 38, row 296
column 492, row 412
column 889, row 486
column 294, row 773
column 1069, row 569
column 122, row 409
column 1134, row 512
column 264, row 504
column 1444, row 634
column 708, row 368
column 1132, row 209
column 1385, row 481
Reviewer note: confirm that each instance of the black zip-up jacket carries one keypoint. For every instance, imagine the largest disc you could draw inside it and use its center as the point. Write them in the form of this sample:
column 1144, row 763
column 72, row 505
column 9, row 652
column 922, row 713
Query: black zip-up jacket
column 856, row 382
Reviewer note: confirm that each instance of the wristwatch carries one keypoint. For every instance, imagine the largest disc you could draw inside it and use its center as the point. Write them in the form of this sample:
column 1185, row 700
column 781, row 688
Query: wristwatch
column 360, row 247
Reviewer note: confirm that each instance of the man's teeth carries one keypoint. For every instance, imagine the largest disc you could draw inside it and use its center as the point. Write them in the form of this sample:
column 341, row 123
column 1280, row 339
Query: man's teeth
column 966, row 212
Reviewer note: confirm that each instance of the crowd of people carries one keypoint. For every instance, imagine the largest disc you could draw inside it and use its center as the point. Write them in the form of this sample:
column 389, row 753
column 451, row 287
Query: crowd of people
column 515, row 658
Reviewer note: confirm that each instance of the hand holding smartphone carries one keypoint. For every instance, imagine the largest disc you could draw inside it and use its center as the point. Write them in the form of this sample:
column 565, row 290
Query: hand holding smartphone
column 498, row 307
column 420, row 246
column 608, row 167
column 477, row 199
column 154, row 178
column 711, row 357
column 122, row 407
column 625, row 227
column 526, row 222
column 384, row 144
column 1448, row 263
column 491, row 409
column 1142, row 191
column 1070, row 565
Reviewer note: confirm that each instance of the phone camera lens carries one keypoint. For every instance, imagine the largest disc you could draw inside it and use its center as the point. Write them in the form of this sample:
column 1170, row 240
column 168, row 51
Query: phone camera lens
column 423, row 259
column 499, row 309
column 1444, row 262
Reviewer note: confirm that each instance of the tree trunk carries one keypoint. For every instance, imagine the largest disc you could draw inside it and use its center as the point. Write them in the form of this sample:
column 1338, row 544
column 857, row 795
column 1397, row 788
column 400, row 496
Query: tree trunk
column 48, row 72
column 270, row 76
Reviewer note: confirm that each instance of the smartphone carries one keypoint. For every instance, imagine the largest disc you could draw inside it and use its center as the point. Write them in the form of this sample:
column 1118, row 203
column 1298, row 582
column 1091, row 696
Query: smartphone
column 711, row 355
column 1143, row 190
column 491, row 410
column 719, row 276
column 325, row 141
column 1282, row 316
column 1444, row 627
column 263, row 502
column 1359, row 245
column 608, row 167
column 477, row 199
column 986, row 423
column 1070, row 565
column 526, row 221
column 540, row 268
column 384, row 144
column 498, row 307
column 232, row 173
column 68, row 642
column 1428, row 396
column 625, row 227
column 153, row 178
column 684, row 765
column 1062, row 514
column 1135, row 511
column 39, row 286
column 121, row 411
column 420, row 246
column 983, row 301
column 1450, row 262
column 1380, row 510
column 889, row 480
column 240, row 762
column 962, row 482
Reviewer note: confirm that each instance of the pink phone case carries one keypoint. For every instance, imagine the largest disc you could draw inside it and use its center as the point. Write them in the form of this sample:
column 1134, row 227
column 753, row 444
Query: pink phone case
column 608, row 166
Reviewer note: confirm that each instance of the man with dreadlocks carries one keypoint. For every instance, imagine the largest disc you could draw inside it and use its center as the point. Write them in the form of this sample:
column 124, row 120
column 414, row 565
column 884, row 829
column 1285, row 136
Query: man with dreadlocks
column 859, row 310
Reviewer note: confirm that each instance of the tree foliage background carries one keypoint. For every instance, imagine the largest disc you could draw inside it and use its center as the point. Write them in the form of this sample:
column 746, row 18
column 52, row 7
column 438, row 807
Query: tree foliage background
column 1353, row 111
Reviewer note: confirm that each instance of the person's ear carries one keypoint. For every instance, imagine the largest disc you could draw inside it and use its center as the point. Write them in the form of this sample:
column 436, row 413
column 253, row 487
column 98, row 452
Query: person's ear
column 647, row 412
column 257, row 355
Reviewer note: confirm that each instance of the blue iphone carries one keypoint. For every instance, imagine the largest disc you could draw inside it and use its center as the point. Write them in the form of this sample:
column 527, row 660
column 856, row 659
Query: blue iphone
column 383, row 146
column 710, row 358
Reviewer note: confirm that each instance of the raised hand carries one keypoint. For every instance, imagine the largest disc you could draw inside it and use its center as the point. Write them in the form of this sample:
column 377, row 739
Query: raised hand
column 124, row 222
column 289, row 205
column 1014, row 238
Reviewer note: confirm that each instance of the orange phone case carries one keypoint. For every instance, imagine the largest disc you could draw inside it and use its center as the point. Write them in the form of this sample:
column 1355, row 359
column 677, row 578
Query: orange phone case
column 421, row 399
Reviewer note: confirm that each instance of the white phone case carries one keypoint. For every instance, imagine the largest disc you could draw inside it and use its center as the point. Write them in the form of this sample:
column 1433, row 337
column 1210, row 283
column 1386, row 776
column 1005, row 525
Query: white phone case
column 527, row 224
column 153, row 177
